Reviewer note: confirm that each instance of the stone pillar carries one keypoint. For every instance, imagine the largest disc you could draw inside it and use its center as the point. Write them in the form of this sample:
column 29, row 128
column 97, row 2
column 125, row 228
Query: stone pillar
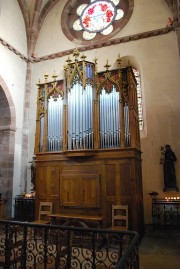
column 25, row 132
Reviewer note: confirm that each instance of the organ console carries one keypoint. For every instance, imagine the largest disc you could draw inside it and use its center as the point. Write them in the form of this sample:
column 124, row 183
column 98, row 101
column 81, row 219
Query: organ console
column 87, row 142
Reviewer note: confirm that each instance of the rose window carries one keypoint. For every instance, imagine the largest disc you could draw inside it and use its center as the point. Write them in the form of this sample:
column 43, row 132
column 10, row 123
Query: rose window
column 97, row 17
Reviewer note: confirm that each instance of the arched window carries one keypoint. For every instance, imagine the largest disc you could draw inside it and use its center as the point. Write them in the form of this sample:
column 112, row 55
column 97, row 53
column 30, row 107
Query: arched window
column 95, row 20
column 97, row 17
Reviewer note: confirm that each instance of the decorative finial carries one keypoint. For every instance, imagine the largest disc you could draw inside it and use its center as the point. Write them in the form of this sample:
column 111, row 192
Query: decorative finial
column 54, row 76
column 68, row 60
column 119, row 61
column 83, row 57
column 107, row 65
column 95, row 60
column 46, row 76
column 76, row 53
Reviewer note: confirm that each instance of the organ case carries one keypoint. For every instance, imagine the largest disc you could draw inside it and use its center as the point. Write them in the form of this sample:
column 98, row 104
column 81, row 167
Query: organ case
column 87, row 142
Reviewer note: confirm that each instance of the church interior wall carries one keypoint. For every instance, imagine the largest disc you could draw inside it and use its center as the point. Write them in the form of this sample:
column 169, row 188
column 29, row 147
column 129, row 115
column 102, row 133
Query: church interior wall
column 146, row 16
column 12, row 27
column 160, row 90
column 13, row 74
column 156, row 57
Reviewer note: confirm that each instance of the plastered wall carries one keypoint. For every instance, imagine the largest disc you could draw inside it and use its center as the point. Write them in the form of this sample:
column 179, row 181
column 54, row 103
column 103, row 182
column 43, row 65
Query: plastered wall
column 158, row 62
column 156, row 58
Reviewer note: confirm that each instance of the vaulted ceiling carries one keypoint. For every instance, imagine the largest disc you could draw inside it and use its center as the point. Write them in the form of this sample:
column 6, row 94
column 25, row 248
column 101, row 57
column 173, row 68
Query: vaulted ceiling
column 35, row 11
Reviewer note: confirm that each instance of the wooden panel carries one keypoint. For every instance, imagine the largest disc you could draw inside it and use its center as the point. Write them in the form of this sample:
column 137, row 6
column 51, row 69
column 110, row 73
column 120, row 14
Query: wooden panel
column 80, row 190
column 91, row 190
column 41, row 183
column 53, row 186
column 53, row 181
column 69, row 191
column 79, row 167
column 89, row 186
column 125, row 178
column 110, row 174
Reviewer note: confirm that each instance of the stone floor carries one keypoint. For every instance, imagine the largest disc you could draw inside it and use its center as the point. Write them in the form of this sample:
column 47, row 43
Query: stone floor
column 160, row 249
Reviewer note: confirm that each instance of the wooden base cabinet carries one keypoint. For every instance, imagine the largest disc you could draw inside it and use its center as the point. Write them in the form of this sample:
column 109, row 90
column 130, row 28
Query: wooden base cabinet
column 80, row 184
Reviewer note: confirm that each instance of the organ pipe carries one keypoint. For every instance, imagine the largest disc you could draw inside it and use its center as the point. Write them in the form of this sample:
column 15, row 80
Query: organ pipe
column 87, row 110
column 80, row 118
column 79, row 80
column 55, row 124
column 109, row 119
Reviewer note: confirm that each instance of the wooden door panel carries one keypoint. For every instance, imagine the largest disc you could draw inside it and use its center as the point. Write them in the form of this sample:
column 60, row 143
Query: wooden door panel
column 80, row 190
column 41, row 183
column 53, row 180
column 91, row 191
column 69, row 190
column 125, row 179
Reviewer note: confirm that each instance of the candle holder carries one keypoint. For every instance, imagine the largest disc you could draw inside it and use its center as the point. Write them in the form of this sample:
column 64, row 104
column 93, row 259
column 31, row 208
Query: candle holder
column 153, row 194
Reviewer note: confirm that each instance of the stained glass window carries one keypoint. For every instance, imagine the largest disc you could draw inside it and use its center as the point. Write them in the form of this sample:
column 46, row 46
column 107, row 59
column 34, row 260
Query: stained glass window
column 97, row 17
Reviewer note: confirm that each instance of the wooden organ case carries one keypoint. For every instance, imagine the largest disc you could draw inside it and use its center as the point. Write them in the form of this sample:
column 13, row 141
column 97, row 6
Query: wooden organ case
column 87, row 142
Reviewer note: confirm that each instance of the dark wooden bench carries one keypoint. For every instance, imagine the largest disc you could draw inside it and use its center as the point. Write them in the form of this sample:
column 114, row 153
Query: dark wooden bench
column 82, row 219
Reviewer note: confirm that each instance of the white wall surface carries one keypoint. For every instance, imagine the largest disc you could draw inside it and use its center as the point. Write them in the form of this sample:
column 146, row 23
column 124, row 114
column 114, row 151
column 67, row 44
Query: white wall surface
column 12, row 28
column 13, row 72
column 147, row 15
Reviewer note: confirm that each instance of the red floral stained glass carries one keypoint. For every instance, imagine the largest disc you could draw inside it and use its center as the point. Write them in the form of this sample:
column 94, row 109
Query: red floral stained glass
column 104, row 7
column 98, row 15
column 86, row 21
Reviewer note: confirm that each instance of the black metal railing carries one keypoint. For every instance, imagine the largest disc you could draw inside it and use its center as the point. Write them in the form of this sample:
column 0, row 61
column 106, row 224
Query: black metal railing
column 26, row 245
column 166, row 212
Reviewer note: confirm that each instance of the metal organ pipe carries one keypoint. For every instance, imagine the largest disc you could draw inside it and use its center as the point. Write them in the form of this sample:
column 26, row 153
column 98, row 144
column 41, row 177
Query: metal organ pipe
column 109, row 119
column 126, row 125
column 80, row 121
column 118, row 123
column 101, row 123
column 55, row 116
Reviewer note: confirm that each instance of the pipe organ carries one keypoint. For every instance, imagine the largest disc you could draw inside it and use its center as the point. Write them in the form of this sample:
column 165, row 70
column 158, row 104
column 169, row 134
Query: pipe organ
column 87, row 142
column 109, row 119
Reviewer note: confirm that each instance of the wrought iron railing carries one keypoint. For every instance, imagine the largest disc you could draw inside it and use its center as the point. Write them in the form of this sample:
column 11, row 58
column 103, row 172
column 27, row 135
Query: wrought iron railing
column 166, row 212
column 26, row 245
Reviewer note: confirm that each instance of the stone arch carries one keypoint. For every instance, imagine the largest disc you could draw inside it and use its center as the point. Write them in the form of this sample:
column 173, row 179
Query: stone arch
column 7, row 144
